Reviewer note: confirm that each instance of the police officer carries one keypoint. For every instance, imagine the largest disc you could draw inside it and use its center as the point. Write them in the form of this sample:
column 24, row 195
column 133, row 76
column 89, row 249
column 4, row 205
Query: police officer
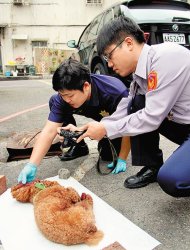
column 158, row 103
column 81, row 93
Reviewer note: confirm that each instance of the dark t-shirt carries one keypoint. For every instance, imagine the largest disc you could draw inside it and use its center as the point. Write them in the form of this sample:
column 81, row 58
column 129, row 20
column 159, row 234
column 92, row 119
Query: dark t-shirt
column 106, row 93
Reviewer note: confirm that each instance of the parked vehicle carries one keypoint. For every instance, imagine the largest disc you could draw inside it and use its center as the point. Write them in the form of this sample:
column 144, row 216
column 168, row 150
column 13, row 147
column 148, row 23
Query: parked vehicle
column 161, row 21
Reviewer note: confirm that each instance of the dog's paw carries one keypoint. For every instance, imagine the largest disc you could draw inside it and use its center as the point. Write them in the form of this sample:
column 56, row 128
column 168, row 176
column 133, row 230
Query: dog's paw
column 86, row 197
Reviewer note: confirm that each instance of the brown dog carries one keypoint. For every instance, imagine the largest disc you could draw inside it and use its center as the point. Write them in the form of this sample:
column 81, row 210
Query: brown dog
column 60, row 213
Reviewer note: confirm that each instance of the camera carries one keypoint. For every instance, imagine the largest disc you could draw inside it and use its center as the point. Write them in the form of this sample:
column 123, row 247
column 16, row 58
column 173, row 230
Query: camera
column 70, row 137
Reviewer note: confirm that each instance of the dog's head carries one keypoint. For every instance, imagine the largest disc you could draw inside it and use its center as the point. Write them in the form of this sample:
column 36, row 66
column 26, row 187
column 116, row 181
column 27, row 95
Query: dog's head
column 26, row 192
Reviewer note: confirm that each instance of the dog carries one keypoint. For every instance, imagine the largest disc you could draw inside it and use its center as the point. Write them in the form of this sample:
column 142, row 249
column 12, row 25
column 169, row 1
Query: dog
column 60, row 213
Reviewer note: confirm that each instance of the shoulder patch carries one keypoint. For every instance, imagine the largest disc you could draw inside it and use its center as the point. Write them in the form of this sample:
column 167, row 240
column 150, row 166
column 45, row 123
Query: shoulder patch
column 152, row 80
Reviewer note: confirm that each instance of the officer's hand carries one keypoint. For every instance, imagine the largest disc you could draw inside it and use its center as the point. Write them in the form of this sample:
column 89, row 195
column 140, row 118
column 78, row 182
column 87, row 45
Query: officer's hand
column 94, row 130
column 28, row 173
column 120, row 167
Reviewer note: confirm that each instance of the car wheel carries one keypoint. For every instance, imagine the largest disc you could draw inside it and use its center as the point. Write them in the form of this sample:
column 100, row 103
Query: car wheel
column 99, row 69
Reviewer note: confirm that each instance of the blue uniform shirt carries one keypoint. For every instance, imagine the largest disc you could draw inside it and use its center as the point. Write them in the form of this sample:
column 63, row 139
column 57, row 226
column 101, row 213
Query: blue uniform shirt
column 106, row 93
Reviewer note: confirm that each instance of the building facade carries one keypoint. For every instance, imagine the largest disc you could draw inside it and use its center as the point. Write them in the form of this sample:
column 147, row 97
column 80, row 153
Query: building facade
column 29, row 24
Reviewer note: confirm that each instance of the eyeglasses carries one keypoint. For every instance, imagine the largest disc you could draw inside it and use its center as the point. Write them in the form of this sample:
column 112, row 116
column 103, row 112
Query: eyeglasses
column 108, row 56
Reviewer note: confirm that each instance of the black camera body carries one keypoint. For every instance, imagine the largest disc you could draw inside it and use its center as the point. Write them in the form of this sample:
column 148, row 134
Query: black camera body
column 70, row 137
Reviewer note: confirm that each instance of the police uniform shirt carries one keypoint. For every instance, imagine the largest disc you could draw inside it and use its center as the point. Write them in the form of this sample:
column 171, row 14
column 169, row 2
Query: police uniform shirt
column 106, row 93
column 163, row 76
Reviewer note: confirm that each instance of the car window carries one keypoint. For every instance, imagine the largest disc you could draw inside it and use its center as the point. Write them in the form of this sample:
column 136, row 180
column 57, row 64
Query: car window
column 125, row 11
column 95, row 24
column 101, row 23
column 84, row 36
column 117, row 11
column 159, row 15
column 108, row 16
column 155, row 13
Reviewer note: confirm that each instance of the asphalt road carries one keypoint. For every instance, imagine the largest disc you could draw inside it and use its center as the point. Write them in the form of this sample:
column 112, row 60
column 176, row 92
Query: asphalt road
column 24, row 107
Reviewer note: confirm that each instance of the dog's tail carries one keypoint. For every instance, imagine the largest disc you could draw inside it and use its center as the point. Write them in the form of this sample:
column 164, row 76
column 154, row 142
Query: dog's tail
column 94, row 238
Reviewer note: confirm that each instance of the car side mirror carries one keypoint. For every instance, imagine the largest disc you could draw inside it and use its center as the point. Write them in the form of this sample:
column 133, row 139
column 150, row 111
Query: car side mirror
column 71, row 44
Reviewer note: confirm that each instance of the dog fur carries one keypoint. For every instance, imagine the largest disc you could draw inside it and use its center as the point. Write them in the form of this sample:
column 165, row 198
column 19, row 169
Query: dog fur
column 26, row 192
column 61, row 214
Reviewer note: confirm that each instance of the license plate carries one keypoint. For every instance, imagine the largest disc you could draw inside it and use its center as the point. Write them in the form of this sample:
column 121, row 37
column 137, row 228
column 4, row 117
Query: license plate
column 174, row 38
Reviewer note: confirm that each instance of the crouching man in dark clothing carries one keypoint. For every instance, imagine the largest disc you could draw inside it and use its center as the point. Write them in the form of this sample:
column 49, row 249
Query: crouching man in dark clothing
column 79, row 93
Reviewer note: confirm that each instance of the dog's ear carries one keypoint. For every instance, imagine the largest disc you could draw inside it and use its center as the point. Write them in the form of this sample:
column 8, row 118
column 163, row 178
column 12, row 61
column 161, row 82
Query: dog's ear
column 21, row 193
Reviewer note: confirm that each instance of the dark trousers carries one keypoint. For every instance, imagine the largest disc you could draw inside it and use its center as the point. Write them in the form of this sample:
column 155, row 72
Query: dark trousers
column 174, row 174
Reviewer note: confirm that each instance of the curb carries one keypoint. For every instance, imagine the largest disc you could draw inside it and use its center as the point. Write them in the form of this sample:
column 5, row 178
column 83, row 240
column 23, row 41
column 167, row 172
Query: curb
column 13, row 78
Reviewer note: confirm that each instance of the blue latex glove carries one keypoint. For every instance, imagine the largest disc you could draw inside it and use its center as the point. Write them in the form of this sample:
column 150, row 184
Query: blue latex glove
column 28, row 173
column 120, row 167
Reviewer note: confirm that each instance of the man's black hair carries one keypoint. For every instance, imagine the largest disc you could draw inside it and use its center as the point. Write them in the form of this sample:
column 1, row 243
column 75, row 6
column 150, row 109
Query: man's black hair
column 70, row 75
column 116, row 31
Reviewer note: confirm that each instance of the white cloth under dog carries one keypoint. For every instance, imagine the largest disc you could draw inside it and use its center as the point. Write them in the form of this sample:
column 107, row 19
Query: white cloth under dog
column 18, row 230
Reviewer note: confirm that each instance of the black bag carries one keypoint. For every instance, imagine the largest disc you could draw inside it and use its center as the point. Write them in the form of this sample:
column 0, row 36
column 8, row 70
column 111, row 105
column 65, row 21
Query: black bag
column 20, row 146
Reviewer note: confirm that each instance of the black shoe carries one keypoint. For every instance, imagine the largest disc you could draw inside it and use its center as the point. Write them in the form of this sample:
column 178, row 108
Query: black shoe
column 75, row 152
column 142, row 178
